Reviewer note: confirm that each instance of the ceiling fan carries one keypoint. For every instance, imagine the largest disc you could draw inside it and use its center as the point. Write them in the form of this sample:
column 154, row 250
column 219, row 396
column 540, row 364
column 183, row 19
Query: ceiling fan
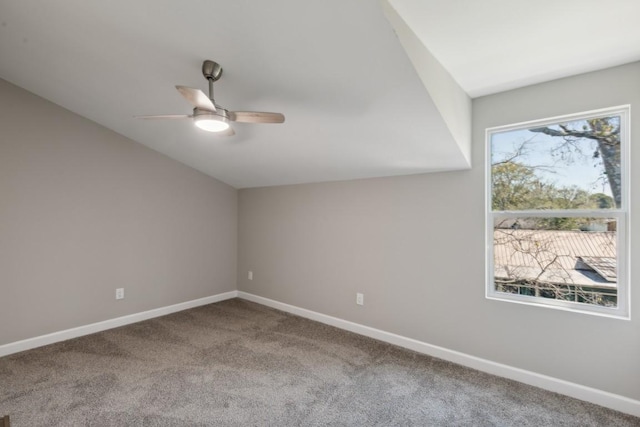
column 208, row 115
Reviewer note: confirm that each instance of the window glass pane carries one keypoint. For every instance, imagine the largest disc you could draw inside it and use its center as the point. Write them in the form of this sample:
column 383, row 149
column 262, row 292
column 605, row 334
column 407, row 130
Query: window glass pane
column 569, row 165
column 571, row 259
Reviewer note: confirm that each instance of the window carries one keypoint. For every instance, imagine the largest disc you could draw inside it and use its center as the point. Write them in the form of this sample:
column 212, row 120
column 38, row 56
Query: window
column 557, row 212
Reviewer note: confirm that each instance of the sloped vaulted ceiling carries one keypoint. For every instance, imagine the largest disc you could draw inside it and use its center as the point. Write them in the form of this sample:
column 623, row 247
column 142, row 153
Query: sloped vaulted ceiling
column 357, row 104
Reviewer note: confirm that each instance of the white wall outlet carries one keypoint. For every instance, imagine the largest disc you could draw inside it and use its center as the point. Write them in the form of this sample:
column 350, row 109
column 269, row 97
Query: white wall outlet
column 250, row 275
column 360, row 299
column 120, row 293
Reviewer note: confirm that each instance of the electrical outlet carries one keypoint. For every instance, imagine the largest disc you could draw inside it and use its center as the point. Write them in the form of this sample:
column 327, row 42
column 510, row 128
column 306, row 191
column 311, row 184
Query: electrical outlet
column 120, row 293
column 250, row 275
column 360, row 299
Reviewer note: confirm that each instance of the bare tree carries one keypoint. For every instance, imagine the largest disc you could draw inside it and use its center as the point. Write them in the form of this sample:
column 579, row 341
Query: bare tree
column 606, row 132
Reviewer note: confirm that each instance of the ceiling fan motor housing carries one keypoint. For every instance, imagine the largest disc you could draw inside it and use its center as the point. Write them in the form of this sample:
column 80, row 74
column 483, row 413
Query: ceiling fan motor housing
column 220, row 113
column 211, row 70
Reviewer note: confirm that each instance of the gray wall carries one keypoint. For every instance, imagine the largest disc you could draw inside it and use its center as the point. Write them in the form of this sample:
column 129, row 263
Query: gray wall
column 84, row 210
column 415, row 247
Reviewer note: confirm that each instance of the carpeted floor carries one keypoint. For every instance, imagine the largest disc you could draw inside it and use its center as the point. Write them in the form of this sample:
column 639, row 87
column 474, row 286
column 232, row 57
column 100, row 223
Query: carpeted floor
column 236, row 363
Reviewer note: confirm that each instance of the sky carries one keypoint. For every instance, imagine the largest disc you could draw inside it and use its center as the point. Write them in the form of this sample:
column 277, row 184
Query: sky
column 579, row 168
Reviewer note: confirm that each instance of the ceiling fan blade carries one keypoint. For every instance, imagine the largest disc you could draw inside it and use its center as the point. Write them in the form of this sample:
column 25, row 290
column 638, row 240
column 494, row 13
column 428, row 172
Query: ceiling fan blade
column 197, row 98
column 165, row 116
column 255, row 117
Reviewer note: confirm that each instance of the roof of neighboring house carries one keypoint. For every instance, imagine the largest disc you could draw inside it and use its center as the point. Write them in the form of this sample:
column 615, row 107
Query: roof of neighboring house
column 580, row 257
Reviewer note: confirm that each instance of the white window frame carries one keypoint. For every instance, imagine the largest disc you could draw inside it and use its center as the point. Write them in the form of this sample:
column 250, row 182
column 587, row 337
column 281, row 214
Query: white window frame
column 622, row 310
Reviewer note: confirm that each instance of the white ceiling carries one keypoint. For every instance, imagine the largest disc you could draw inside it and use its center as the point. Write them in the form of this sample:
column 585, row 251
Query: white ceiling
column 354, row 105
column 490, row 46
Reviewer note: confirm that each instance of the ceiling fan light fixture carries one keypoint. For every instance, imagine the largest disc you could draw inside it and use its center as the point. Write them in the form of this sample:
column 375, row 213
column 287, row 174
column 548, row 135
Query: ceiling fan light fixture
column 212, row 123
column 211, row 117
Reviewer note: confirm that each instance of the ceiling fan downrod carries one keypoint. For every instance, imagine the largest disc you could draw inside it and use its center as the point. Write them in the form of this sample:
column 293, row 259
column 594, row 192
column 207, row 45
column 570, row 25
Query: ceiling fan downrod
column 212, row 71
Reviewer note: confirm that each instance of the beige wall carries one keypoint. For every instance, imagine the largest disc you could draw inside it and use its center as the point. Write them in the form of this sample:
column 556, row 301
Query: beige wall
column 415, row 247
column 84, row 210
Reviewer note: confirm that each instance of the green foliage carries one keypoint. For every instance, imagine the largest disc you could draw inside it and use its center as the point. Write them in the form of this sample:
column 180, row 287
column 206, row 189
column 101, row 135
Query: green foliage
column 602, row 201
column 516, row 187
column 557, row 223
column 513, row 187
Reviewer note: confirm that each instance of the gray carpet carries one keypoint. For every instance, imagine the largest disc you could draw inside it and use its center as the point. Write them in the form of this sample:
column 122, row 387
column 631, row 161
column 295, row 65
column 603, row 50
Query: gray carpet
column 236, row 363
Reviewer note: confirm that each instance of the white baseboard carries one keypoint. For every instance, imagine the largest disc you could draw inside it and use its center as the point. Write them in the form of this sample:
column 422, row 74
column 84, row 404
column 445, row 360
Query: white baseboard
column 54, row 337
column 589, row 394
